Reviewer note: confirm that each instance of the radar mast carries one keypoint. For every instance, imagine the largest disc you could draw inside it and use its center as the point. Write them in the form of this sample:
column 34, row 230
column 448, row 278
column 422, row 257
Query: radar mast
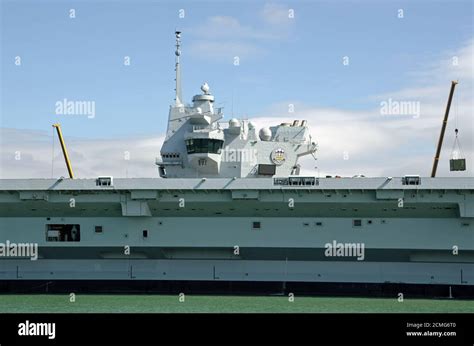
column 178, row 97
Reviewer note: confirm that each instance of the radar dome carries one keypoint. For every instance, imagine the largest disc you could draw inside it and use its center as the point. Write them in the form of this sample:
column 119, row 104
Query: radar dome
column 251, row 125
column 234, row 122
column 265, row 134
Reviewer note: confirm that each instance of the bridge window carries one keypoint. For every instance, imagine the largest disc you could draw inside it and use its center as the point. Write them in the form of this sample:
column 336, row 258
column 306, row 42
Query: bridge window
column 204, row 145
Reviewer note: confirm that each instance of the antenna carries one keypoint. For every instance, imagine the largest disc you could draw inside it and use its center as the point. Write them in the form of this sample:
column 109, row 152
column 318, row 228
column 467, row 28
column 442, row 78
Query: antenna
column 178, row 97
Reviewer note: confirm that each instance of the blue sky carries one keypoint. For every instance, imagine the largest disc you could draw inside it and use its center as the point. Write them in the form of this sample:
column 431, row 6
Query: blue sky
column 282, row 60
column 300, row 61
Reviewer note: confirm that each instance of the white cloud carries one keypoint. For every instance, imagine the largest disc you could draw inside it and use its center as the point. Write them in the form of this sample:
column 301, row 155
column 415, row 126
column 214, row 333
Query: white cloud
column 220, row 38
column 454, row 64
column 227, row 27
column 276, row 14
column 225, row 51
column 90, row 157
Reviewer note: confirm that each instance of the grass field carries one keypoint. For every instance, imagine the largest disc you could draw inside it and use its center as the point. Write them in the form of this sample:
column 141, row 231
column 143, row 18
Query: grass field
column 223, row 304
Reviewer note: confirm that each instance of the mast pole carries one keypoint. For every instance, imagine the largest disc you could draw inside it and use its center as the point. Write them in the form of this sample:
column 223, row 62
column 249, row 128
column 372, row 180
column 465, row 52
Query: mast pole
column 178, row 97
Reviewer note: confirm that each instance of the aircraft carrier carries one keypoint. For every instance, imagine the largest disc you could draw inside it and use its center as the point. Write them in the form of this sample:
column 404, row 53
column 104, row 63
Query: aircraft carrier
column 230, row 205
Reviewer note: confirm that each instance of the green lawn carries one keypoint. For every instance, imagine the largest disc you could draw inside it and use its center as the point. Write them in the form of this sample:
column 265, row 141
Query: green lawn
column 222, row 304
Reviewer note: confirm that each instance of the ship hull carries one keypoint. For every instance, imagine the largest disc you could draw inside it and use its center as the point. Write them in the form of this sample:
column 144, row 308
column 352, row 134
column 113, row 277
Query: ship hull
column 241, row 230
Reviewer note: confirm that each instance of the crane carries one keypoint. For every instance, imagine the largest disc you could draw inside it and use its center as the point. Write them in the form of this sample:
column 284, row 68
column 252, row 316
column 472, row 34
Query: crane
column 63, row 147
column 443, row 129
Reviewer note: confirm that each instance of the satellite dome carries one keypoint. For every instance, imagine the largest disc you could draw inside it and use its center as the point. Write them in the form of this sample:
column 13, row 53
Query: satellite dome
column 205, row 88
column 265, row 134
column 234, row 122
column 251, row 125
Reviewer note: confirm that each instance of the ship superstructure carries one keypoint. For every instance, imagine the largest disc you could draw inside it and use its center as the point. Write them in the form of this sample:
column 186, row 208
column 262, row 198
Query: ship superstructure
column 230, row 205
column 198, row 145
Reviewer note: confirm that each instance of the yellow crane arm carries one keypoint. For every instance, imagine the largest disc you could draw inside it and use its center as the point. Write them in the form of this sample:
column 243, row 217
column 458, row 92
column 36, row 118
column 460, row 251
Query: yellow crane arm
column 63, row 147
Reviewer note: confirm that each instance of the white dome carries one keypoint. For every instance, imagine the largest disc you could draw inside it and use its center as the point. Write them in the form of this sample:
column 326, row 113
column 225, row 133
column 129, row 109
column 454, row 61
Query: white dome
column 251, row 125
column 234, row 122
column 265, row 134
